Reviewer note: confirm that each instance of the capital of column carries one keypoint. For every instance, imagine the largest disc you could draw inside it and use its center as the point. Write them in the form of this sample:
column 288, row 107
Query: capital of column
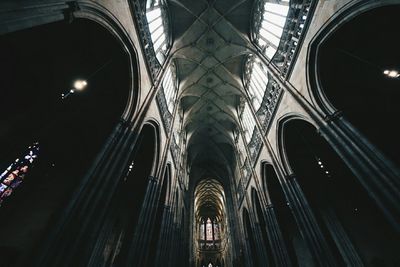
column 290, row 177
column 334, row 116
column 153, row 179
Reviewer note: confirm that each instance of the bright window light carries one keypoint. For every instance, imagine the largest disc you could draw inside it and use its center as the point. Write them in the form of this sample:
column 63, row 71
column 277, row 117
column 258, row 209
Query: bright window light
column 155, row 24
column 169, row 87
column 248, row 123
column 275, row 19
column 155, row 13
column 157, row 30
column 277, row 8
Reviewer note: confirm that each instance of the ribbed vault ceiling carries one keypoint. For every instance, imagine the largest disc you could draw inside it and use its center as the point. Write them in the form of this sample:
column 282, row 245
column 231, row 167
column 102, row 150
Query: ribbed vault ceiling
column 209, row 199
column 210, row 40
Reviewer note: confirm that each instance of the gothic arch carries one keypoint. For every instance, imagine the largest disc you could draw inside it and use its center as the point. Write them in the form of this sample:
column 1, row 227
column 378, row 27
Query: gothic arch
column 71, row 125
column 320, row 174
column 99, row 14
column 86, row 10
column 128, row 204
column 264, row 183
column 366, row 93
column 282, row 123
column 157, row 144
column 339, row 19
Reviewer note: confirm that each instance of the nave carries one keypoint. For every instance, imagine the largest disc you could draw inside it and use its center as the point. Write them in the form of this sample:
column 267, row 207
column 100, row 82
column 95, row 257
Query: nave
column 199, row 133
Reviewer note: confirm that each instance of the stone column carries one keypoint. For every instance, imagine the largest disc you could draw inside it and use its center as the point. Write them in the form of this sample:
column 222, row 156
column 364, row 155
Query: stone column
column 307, row 224
column 260, row 246
column 164, row 238
column 339, row 235
column 145, row 224
column 378, row 175
column 275, row 238
column 73, row 237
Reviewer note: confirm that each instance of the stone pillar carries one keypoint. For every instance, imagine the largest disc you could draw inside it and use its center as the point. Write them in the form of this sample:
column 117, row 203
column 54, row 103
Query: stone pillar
column 378, row 175
column 145, row 224
column 307, row 224
column 339, row 235
column 260, row 246
column 275, row 238
column 164, row 241
column 73, row 238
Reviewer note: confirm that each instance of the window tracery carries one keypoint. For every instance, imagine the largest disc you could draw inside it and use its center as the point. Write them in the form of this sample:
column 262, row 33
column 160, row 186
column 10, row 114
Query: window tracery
column 158, row 27
column 248, row 122
column 256, row 80
column 169, row 87
column 271, row 26
column 209, row 233
column 278, row 28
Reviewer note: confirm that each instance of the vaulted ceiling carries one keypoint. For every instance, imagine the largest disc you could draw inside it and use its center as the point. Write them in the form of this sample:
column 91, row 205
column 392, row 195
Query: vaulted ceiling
column 210, row 40
column 209, row 199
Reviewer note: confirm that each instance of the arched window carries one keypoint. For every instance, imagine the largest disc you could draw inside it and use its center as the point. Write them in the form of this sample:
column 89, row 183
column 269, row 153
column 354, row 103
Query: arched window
column 209, row 233
column 256, row 80
column 169, row 86
column 277, row 29
column 271, row 26
column 158, row 27
column 248, row 122
column 202, row 229
column 14, row 175
column 216, row 230
column 209, row 230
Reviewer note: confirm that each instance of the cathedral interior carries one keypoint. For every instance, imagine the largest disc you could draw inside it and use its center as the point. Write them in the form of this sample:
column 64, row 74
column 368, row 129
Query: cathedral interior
column 201, row 133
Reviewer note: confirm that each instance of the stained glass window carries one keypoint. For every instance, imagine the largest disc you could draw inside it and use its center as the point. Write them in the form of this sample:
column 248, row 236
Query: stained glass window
column 157, row 23
column 14, row 175
column 202, row 230
column 209, row 235
column 216, row 230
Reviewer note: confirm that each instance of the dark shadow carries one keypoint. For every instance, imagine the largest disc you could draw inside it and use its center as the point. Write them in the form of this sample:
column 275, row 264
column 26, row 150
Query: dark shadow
column 296, row 246
column 351, row 64
column 250, row 241
column 263, row 227
column 155, row 239
column 337, row 198
column 37, row 66
column 132, row 190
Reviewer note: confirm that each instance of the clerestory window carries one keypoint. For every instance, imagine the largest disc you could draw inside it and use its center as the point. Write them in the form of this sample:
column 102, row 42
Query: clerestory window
column 169, row 85
column 158, row 27
column 271, row 26
column 248, row 122
column 278, row 28
column 256, row 80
